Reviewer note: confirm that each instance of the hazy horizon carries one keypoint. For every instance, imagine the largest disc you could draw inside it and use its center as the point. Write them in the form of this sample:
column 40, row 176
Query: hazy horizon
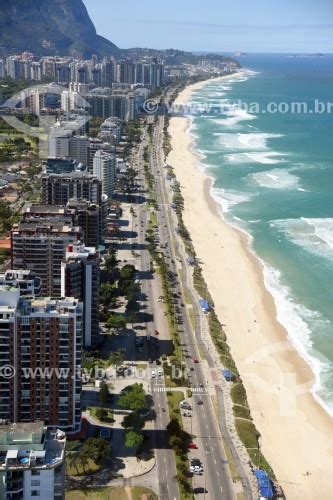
column 217, row 25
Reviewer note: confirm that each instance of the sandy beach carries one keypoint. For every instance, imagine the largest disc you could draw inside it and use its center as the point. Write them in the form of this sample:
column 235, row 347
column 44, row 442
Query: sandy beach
column 296, row 432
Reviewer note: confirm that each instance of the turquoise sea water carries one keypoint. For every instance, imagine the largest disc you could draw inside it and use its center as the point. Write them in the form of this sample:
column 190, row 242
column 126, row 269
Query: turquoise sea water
column 274, row 179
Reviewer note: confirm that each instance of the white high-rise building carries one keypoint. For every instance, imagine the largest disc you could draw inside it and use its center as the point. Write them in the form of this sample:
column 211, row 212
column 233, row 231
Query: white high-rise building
column 104, row 168
column 32, row 462
column 58, row 146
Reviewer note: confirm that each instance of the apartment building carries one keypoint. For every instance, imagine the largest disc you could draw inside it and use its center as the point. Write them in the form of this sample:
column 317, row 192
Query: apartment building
column 32, row 462
column 41, row 340
column 80, row 278
column 25, row 280
column 58, row 189
column 40, row 246
column 104, row 168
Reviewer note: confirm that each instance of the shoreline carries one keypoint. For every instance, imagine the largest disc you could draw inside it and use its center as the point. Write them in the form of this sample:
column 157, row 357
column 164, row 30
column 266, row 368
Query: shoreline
column 277, row 379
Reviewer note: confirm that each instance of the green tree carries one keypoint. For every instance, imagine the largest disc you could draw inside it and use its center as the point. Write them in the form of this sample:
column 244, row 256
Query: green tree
column 116, row 321
column 101, row 413
column 72, row 460
column 104, row 393
column 133, row 421
column 133, row 397
column 117, row 358
column 127, row 272
column 132, row 439
column 132, row 306
column 96, row 449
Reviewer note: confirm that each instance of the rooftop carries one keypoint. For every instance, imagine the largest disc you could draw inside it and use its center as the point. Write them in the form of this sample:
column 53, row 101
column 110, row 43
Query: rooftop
column 30, row 445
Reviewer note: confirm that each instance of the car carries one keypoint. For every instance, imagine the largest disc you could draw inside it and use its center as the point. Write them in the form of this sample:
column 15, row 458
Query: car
column 199, row 490
column 160, row 372
column 200, row 402
column 196, row 469
column 192, row 446
column 153, row 374
column 195, row 461
column 156, row 332
column 185, row 405
column 195, row 360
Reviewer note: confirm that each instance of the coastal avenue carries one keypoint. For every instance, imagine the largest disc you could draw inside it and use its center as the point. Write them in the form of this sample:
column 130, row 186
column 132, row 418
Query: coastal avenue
column 217, row 475
column 191, row 338
column 217, row 478
column 219, row 482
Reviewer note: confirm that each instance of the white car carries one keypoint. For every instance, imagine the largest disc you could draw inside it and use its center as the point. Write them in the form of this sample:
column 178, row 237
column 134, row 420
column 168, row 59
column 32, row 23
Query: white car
column 160, row 373
column 153, row 374
column 196, row 469
column 185, row 405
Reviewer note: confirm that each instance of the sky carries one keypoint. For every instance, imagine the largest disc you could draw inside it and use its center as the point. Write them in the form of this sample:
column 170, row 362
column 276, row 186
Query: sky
column 216, row 25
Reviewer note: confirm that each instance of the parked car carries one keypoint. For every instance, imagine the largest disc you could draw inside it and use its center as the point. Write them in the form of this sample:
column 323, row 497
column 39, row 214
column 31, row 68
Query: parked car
column 192, row 446
column 195, row 360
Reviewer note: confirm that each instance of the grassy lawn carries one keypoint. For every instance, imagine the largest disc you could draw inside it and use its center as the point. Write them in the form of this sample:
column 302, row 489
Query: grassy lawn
column 135, row 493
column 242, row 412
column 174, row 398
column 78, row 470
column 108, row 420
column 238, row 394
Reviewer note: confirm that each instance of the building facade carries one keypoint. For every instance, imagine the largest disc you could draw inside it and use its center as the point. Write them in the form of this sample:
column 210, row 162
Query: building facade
column 40, row 247
column 41, row 339
column 80, row 278
column 59, row 189
column 104, row 168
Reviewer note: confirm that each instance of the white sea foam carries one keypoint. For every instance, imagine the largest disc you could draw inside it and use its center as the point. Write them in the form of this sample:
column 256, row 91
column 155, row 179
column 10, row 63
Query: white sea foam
column 264, row 157
column 277, row 178
column 252, row 141
column 313, row 235
column 299, row 323
column 234, row 116
column 228, row 198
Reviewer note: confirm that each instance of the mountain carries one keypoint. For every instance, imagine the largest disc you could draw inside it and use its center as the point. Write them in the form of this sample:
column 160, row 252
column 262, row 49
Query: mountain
column 48, row 27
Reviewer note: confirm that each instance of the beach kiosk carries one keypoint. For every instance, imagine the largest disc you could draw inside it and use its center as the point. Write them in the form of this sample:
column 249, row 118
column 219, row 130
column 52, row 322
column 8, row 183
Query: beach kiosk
column 228, row 375
column 264, row 484
column 204, row 305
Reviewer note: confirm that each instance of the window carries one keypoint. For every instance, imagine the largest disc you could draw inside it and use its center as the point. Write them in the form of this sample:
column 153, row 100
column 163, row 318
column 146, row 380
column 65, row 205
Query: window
column 35, row 493
column 35, row 482
column 35, row 472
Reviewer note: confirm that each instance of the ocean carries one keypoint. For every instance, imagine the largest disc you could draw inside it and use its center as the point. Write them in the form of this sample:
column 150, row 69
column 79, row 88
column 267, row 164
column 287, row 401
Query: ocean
column 273, row 178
